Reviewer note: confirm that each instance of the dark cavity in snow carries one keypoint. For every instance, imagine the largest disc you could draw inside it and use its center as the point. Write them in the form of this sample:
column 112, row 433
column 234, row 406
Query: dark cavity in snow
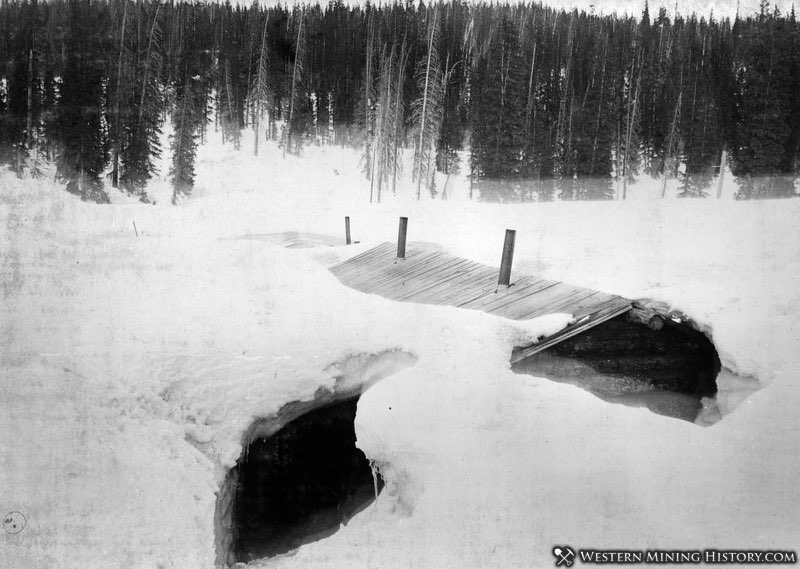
column 669, row 370
column 301, row 483
column 300, row 474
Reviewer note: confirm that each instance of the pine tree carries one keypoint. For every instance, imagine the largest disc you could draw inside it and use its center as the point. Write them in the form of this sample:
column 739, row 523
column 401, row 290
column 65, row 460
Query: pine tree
column 188, row 116
column 543, row 106
column 82, row 147
column 764, row 98
column 632, row 118
column 383, row 152
column 454, row 111
column 142, row 123
column 565, row 98
column 368, row 94
column 293, row 116
column 427, row 108
column 229, row 77
column 589, row 165
column 21, row 106
column 498, row 129
column 398, row 113
column 120, row 87
column 262, row 92
column 701, row 130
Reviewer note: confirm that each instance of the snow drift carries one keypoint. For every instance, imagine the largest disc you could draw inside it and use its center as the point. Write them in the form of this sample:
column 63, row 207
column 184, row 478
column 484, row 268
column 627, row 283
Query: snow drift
column 133, row 366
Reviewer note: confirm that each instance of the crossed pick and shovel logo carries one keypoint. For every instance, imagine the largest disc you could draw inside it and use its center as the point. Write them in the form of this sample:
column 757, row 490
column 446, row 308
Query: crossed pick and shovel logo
column 564, row 555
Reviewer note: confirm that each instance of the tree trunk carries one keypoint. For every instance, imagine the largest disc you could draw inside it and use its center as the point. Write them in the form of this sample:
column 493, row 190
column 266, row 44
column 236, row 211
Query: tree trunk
column 401, row 65
column 296, row 70
column 117, row 128
column 671, row 142
column 722, row 161
column 425, row 94
column 629, row 135
column 260, row 85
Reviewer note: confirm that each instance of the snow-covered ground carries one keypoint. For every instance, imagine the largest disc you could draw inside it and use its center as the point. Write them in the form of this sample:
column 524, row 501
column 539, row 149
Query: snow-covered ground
column 133, row 360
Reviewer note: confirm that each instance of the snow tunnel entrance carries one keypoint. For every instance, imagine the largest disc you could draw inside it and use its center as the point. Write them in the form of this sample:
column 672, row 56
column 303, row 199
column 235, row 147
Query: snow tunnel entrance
column 299, row 484
column 667, row 366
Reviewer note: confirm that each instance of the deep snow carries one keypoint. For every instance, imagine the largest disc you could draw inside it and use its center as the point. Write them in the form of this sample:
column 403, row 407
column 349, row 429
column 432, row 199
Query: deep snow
column 133, row 366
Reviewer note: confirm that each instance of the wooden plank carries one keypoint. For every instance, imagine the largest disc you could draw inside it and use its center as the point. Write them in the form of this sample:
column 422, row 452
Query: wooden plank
column 549, row 296
column 505, row 296
column 403, row 287
column 381, row 267
column 387, row 268
column 588, row 305
column 436, row 277
column 478, row 283
column 410, row 268
column 453, row 278
column 358, row 274
column 414, row 290
column 614, row 309
column 560, row 304
column 357, row 259
column 359, row 262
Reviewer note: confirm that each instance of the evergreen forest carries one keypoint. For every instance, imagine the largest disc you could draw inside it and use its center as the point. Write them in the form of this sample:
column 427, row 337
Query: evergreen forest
column 529, row 101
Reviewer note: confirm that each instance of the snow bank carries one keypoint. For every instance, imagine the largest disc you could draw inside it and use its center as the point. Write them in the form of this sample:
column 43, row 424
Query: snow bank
column 132, row 366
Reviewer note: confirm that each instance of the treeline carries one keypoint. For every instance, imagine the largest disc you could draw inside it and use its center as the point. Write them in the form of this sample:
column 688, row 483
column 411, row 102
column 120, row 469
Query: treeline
column 529, row 101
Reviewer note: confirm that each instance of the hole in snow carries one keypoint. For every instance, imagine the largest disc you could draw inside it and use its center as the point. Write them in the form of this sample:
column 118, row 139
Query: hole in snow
column 300, row 474
column 671, row 370
column 300, row 484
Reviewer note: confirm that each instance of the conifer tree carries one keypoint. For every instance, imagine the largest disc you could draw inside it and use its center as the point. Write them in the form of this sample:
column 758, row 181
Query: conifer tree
column 293, row 116
column 188, row 116
column 121, row 85
column 78, row 130
column 383, row 151
column 565, row 99
column 498, row 131
column 764, row 98
column 142, row 121
column 262, row 92
column 366, row 105
column 427, row 108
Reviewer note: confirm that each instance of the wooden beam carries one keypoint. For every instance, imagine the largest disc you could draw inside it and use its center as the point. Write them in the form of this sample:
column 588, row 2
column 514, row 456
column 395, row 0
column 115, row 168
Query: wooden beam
column 615, row 309
column 401, row 238
column 506, row 260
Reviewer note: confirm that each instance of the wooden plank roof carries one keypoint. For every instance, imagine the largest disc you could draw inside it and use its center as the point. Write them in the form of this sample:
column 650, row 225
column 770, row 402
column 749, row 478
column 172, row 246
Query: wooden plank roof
column 436, row 277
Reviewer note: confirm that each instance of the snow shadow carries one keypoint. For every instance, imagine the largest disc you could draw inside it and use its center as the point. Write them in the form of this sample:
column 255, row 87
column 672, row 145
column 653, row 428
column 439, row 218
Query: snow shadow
column 670, row 370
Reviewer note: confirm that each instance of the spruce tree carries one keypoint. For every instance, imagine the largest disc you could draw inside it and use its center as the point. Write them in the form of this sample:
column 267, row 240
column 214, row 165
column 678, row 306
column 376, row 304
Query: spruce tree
column 296, row 107
column 142, row 121
column 427, row 108
column 498, row 131
column 764, row 100
column 191, row 89
column 82, row 148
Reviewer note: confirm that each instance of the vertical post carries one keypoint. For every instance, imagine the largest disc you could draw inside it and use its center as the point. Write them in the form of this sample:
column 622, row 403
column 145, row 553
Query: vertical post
column 401, row 238
column 347, row 229
column 508, row 257
column 721, row 172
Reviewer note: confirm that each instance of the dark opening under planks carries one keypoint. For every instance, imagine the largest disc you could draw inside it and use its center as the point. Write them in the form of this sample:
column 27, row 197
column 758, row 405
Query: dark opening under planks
column 434, row 277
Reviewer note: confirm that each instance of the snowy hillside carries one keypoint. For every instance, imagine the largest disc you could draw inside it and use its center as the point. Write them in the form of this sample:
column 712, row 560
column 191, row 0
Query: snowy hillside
column 140, row 343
